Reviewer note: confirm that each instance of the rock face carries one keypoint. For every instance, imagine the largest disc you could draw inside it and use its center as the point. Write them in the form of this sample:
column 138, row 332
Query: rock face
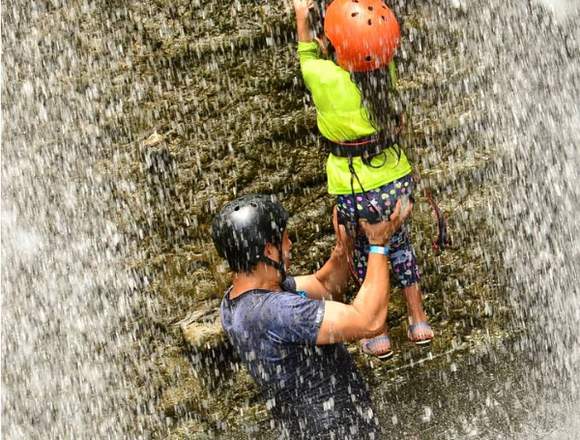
column 204, row 102
column 222, row 111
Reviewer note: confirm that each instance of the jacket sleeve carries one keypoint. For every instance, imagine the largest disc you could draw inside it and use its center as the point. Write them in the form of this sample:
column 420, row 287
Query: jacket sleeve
column 307, row 53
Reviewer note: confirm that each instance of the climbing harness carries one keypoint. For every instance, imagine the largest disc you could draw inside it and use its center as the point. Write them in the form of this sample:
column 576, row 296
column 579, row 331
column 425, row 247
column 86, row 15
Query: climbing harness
column 366, row 147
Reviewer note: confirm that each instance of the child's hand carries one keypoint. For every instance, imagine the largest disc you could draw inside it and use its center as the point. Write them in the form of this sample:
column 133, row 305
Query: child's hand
column 302, row 7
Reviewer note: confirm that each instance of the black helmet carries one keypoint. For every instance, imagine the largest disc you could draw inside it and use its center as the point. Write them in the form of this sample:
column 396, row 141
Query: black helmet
column 243, row 227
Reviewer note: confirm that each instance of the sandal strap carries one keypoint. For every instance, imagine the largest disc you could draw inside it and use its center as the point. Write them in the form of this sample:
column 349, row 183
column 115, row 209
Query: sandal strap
column 417, row 327
column 423, row 325
column 383, row 338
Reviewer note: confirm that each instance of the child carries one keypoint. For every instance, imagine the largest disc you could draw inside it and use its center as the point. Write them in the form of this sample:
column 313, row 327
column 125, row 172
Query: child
column 366, row 171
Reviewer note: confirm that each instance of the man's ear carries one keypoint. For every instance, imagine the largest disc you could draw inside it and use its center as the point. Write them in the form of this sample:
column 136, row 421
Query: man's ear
column 271, row 251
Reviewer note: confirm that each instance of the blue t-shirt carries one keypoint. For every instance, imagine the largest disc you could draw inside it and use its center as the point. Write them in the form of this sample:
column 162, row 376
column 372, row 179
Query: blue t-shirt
column 312, row 391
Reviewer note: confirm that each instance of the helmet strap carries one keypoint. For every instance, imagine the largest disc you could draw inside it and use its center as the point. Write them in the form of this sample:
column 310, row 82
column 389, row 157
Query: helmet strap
column 278, row 265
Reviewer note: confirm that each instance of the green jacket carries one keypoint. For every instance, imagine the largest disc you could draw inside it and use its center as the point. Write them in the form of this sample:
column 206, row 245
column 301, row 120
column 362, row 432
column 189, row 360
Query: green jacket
column 341, row 116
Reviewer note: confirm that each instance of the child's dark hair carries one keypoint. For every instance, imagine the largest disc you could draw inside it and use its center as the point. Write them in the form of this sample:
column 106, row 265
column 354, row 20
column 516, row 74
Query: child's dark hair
column 380, row 97
column 382, row 101
column 378, row 92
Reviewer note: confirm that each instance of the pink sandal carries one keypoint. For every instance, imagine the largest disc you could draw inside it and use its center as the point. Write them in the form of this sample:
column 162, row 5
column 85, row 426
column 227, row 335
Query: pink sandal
column 376, row 347
column 416, row 328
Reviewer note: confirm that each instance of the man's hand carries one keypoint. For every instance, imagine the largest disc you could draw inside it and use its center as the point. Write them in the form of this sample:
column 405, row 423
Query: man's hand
column 331, row 280
column 380, row 233
column 343, row 247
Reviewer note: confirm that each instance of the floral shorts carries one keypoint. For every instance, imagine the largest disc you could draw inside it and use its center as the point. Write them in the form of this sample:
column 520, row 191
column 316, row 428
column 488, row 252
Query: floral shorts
column 377, row 203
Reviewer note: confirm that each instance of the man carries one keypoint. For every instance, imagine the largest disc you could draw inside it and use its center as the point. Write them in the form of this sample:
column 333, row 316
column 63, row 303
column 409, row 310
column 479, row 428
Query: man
column 289, row 331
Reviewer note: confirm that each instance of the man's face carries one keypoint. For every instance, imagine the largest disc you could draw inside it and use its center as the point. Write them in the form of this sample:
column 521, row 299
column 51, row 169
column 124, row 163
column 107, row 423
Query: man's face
column 272, row 251
column 286, row 249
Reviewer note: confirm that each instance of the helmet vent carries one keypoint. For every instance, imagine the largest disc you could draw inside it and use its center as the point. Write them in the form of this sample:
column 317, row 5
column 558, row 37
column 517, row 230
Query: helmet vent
column 237, row 208
column 354, row 14
column 370, row 8
column 370, row 22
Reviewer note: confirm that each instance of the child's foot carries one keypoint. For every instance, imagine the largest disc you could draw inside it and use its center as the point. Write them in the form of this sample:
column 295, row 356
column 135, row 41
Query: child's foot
column 420, row 333
column 419, row 330
column 379, row 346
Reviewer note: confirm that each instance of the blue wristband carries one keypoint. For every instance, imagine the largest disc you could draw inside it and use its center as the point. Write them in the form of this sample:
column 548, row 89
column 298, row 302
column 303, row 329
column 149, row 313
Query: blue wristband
column 383, row 250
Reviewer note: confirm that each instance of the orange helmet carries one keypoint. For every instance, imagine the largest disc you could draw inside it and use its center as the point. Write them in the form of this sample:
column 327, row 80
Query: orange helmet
column 364, row 33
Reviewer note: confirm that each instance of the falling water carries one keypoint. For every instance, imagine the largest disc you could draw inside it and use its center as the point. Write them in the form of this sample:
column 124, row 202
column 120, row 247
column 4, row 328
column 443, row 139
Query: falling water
column 66, row 292
column 538, row 117
column 79, row 88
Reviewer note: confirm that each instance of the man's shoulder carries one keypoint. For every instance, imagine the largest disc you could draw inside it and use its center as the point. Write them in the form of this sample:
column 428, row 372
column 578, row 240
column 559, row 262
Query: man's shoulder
column 261, row 310
column 261, row 304
column 263, row 297
column 249, row 310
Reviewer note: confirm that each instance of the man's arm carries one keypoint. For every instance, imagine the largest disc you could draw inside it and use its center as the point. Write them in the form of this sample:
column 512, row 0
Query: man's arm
column 301, row 9
column 366, row 316
column 331, row 280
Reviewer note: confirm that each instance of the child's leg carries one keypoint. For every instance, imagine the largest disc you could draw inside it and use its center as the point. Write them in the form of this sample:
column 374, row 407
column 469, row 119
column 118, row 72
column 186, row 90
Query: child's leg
column 379, row 346
column 380, row 201
column 417, row 315
column 406, row 271
column 402, row 256
column 403, row 259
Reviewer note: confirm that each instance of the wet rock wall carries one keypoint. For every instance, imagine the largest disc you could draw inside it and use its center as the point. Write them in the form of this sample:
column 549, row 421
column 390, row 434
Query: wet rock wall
column 203, row 101
column 228, row 115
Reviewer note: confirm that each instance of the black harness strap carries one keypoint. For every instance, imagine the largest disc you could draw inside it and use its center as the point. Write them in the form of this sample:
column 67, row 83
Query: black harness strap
column 366, row 148
column 353, row 175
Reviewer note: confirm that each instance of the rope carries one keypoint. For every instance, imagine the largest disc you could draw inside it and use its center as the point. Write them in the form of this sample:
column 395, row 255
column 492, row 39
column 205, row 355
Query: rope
column 443, row 240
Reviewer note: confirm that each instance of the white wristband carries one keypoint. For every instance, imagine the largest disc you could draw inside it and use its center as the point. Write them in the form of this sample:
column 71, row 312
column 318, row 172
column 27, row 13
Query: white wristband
column 383, row 250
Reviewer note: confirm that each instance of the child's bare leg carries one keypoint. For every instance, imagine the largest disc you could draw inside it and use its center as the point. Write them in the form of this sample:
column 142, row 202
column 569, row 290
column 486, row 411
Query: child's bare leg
column 416, row 313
